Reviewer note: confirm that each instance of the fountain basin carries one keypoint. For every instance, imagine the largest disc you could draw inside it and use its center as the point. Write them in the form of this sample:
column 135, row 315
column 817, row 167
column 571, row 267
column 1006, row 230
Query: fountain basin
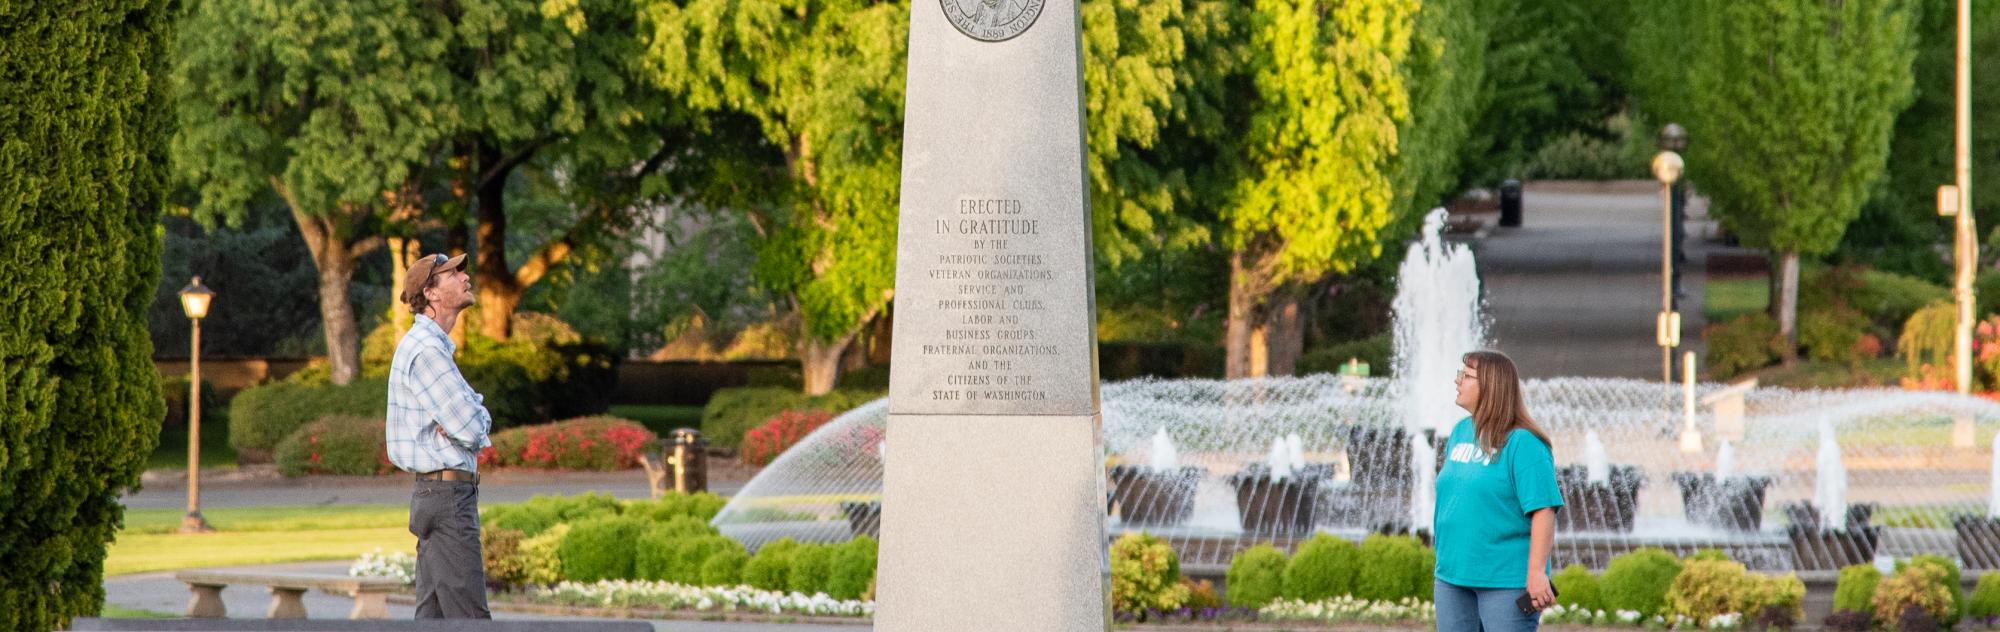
column 1732, row 504
column 1978, row 541
column 863, row 518
column 1151, row 497
column 1271, row 505
column 1823, row 547
column 1605, row 507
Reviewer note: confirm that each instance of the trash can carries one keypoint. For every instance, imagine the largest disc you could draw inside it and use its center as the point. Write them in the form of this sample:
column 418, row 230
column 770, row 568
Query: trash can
column 1510, row 204
column 688, row 452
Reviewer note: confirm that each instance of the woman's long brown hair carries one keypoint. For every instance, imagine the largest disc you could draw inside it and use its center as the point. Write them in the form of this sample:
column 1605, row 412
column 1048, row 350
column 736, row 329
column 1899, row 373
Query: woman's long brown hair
column 1500, row 408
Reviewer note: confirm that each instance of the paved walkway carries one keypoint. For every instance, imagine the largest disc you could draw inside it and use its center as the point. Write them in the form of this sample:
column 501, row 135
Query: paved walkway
column 1574, row 290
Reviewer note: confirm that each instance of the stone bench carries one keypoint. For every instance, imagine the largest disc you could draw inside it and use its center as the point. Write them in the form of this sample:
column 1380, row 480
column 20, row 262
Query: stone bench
column 344, row 625
column 287, row 592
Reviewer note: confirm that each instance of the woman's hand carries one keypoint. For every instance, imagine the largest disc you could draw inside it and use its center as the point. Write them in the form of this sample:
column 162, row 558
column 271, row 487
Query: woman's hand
column 1539, row 590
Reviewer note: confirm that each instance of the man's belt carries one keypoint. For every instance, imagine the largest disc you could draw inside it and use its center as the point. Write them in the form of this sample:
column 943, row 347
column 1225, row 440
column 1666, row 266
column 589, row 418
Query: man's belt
column 448, row 475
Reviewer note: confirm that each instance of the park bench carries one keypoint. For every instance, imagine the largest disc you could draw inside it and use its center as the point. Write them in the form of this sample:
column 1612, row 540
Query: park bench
column 287, row 592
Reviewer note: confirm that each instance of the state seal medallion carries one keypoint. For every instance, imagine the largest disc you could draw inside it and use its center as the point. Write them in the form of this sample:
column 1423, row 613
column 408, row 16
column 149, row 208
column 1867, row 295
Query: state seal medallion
column 992, row 20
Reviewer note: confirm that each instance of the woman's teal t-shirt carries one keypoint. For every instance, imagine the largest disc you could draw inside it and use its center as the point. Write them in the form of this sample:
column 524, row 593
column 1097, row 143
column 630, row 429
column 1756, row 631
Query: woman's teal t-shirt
column 1483, row 503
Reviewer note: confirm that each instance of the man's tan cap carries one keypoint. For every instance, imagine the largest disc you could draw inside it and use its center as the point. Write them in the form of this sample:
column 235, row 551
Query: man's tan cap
column 423, row 269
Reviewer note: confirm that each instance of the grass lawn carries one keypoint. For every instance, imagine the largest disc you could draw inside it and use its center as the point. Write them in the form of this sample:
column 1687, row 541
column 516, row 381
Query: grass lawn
column 659, row 419
column 1878, row 372
column 1729, row 297
column 261, row 535
column 121, row 612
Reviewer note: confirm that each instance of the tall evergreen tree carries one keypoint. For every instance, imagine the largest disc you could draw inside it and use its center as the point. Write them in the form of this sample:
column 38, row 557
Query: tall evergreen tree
column 1794, row 103
column 81, row 180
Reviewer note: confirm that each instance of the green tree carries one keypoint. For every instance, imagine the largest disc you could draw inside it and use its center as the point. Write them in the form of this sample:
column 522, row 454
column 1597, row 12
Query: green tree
column 1329, row 97
column 329, row 105
column 1535, row 88
column 82, row 176
column 1794, row 104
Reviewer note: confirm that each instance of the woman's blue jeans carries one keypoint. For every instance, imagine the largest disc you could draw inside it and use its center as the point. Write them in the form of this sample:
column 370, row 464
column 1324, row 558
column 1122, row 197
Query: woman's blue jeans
column 1461, row 609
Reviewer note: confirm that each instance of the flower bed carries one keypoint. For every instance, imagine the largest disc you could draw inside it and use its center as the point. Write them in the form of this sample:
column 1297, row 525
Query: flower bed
column 672, row 596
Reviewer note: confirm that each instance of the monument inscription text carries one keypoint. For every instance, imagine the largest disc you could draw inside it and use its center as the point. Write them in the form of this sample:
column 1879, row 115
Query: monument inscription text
column 988, row 260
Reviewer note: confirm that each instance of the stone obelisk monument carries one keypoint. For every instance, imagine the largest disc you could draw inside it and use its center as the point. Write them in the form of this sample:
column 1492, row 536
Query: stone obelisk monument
column 993, row 499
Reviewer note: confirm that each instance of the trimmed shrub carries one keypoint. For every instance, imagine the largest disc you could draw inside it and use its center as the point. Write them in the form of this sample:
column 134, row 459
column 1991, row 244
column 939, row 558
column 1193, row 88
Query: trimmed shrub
column 853, row 568
column 1952, row 584
column 1639, row 580
column 540, row 563
column 1927, row 336
column 600, row 444
column 811, row 569
column 699, row 505
column 1576, row 587
column 1201, row 595
column 601, row 548
column 1322, row 568
column 1392, row 568
column 771, row 567
column 732, row 412
column 1256, row 576
column 1748, row 343
column 1705, row 588
column 1776, row 602
column 500, row 550
column 1914, row 587
column 1712, row 555
column 336, row 444
column 1984, row 606
column 1856, row 588
column 1889, row 298
column 674, row 550
column 542, row 512
column 1833, row 333
column 725, row 568
column 764, row 443
column 1145, row 574
column 261, row 417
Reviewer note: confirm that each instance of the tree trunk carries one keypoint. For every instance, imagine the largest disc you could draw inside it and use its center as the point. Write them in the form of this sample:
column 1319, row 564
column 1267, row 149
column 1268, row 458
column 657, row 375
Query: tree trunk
column 343, row 338
column 819, row 362
column 494, row 280
column 881, row 340
column 401, row 253
column 1788, row 305
column 1244, row 296
column 1285, row 340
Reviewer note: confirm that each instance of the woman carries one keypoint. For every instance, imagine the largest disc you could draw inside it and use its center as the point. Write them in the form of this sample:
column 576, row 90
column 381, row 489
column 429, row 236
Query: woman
column 1496, row 504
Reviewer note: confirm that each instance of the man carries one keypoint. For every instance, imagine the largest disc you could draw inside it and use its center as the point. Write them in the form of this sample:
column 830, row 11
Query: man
column 436, row 428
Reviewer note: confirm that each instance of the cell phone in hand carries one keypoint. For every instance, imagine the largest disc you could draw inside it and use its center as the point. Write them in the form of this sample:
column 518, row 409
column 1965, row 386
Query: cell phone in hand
column 1527, row 602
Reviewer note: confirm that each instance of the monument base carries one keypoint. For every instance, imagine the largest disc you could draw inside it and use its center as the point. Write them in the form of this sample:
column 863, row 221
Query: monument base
column 993, row 523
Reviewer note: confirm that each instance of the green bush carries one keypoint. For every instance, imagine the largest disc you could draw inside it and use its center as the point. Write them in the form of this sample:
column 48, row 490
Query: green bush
column 262, row 416
column 1374, row 351
column 733, row 412
column 500, row 551
column 542, row 566
column 674, row 550
column 811, row 569
column 1830, row 334
column 1323, row 567
column 1927, row 336
column 336, row 444
column 546, row 371
column 1952, row 583
column 1914, row 585
column 1748, row 343
column 770, row 568
column 601, row 444
column 1986, row 293
column 853, row 568
column 725, row 568
column 1856, row 588
column 1145, row 574
column 174, row 389
column 1776, row 601
column 1985, row 603
column 1712, row 555
column 1576, row 587
column 601, row 548
column 1889, row 298
column 1393, row 567
column 87, row 121
column 1705, row 588
column 1256, row 576
column 699, row 505
column 1639, row 580
column 542, row 512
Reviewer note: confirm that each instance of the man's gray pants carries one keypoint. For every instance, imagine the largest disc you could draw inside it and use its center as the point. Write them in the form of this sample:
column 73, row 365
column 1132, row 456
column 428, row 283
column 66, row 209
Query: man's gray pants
column 451, row 577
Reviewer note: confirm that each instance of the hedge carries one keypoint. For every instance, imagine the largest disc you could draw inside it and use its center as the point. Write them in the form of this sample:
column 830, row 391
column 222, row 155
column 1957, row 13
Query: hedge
column 590, row 443
column 262, row 416
column 732, row 412
column 82, row 179
column 336, row 444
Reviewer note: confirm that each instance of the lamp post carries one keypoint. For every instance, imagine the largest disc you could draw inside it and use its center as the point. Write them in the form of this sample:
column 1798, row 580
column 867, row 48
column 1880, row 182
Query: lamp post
column 1667, row 168
column 194, row 301
column 1967, row 242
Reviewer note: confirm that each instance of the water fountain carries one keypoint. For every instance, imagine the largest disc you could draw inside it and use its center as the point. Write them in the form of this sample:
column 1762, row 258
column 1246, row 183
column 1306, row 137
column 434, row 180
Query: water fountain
column 1160, row 494
column 1242, row 431
column 1820, row 542
column 1979, row 535
column 1596, row 495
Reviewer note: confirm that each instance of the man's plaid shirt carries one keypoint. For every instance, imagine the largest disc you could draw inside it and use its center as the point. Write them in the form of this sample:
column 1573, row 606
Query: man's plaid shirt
column 426, row 394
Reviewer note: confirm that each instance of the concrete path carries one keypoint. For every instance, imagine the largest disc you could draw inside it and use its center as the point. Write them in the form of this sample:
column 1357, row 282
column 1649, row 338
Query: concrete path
column 256, row 486
column 1574, row 290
